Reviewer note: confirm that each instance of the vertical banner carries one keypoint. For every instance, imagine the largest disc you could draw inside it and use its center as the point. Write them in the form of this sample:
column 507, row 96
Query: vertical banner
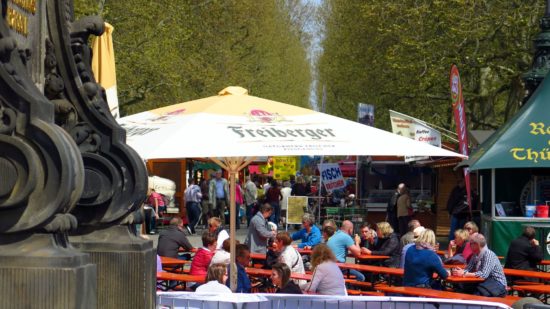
column 296, row 208
column 460, row 121
column 331, row 176
column 365, row 114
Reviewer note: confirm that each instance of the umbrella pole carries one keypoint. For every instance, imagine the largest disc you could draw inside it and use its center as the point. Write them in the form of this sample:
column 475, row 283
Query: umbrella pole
column 233, row 166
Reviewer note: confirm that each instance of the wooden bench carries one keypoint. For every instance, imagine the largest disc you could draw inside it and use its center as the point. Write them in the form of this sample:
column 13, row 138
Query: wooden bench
column 363, row 293
column 541, row 289
column 422, row 292
column 527, row 273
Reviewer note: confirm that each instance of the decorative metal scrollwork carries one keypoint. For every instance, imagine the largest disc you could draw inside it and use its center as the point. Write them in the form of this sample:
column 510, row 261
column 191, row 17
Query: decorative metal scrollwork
column 116, row 178
column 41, row 168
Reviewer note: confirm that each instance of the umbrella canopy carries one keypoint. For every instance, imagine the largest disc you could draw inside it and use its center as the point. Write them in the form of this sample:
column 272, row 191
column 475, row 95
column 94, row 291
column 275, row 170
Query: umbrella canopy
column 233, row 127
column 103, row 66
column 524, row 141
column 234, row 124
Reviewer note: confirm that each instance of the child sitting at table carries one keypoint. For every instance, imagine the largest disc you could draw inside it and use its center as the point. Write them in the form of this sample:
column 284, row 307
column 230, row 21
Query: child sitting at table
column 201, row 261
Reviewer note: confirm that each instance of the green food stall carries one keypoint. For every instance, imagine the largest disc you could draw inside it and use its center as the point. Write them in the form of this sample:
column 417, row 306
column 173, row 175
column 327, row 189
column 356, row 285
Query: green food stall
column 513, row 170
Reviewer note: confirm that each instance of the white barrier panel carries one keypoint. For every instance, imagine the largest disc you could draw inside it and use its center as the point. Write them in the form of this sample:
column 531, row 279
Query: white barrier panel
column 176, row 300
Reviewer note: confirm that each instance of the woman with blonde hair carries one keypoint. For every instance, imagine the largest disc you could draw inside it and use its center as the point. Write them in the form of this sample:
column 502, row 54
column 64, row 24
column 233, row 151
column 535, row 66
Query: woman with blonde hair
column 215, row 278
column 421, row 261
column 327, row 277
column 459, row 248
column 387, row 244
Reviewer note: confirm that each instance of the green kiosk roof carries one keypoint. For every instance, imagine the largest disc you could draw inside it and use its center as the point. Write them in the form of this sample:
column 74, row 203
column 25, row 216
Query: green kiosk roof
column 524, row 141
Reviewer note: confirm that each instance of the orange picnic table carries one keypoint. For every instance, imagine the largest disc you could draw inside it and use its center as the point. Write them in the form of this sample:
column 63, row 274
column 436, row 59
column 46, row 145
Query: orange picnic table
column 258, row 272
column 527, row 273
column 179, row 279
column 413, row 291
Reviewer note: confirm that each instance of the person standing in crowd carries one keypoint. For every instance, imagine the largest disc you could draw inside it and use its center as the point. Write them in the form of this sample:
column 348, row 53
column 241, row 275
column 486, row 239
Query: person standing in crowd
column 341, row 242
column 218, row 194
column 286, row 191
column 280, row 277
column 215, row 279
column 391, row 210
column 327, row 277
column 239, row 200
column 193, row 198
column 154, row 211
column 300, row 188
column 387, row 244
column 250, row 197
column 457, row 206
column 205, row 203
column 258, row 231
column 404, row 208
column 524, row 252
column 215, row 226
column 201, row 260
column 172, row 238
column 243, row 260
column 310, row 235
column 273, row 196
column 422, row 261
column 409, row 236
column 483, row 264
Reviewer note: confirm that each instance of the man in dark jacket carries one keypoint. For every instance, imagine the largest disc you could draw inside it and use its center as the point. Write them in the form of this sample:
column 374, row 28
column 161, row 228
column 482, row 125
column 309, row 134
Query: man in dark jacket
column 172, row 238
column 458, row 209
column 391, row 210
column 524, row 252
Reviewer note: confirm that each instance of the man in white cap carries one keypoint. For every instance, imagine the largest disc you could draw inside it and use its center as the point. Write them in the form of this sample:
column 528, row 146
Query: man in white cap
column 416, row 232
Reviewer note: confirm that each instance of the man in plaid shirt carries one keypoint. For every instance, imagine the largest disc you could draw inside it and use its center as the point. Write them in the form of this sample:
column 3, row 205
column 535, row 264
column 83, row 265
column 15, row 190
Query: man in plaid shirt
column 483, row 264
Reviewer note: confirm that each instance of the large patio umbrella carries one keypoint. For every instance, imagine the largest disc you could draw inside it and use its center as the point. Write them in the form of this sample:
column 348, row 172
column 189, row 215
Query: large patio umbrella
column 233, row 127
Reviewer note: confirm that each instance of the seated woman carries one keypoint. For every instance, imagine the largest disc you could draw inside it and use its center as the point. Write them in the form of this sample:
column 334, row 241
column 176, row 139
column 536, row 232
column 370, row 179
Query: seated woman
column 421, row 261
column 387, row 244
column 223, row 254
column 327, row 277
column 201, row 261
column 459, row 248
column 280, row 277
column 289, row 255
column 217, row 275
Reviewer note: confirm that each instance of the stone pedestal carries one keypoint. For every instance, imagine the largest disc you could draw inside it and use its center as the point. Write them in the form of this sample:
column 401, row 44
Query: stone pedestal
column 44, row 271
column 126, row 266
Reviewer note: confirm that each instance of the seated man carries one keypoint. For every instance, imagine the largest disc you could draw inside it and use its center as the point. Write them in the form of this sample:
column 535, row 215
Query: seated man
column 243, row 260
column 483, row 264
column 367, row 238
column 524, row 252
column 340, row 242
column 408, row 238
column 310, row 234
column 172, row 238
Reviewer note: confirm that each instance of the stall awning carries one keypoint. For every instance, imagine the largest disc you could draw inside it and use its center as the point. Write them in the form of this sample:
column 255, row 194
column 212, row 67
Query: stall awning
column 524, row 141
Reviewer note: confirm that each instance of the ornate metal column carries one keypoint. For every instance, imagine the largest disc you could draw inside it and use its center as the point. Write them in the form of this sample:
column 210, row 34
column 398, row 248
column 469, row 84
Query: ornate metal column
column 41, row 179
column 541, row 60
column 115, row 176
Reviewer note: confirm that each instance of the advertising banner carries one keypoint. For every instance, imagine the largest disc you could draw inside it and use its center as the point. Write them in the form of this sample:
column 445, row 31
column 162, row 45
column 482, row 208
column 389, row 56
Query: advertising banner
column 416, row 129
column 283, row 167
column 459, row 111
column 365, row 114
column 331, row 176
column 296, row 208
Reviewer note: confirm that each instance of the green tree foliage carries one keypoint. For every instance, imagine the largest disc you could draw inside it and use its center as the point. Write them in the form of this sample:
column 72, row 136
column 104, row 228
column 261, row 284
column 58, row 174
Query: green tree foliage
column 171, row 51
column 397, row 55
